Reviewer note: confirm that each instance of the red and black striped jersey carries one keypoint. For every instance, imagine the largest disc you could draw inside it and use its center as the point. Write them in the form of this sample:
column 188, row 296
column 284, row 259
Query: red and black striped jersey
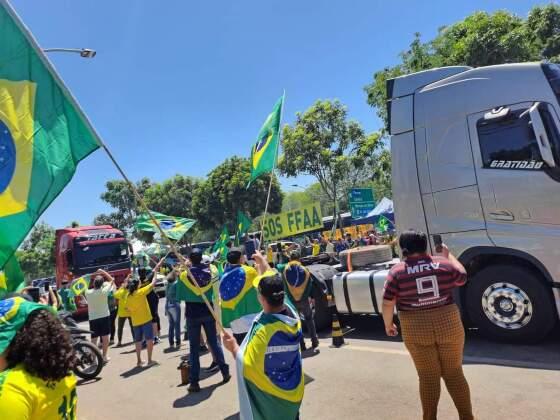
column 423, row 283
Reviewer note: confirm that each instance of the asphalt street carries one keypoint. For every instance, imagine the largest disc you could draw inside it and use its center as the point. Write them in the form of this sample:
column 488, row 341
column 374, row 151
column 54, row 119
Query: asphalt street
column 371, row 377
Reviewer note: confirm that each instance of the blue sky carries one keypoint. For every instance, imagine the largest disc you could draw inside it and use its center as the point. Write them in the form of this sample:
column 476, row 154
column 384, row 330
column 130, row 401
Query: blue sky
column 179, row 86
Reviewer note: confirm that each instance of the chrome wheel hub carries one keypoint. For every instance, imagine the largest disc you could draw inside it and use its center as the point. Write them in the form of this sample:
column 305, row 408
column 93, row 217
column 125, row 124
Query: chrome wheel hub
column 507, row 306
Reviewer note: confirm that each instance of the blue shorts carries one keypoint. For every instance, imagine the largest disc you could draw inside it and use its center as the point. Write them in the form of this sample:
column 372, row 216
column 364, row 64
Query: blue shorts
column 143, row 332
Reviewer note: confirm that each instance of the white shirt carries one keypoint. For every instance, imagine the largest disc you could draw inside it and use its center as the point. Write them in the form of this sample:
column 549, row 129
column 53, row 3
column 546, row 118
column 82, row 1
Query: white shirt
column 98, row 305
column 242, row 325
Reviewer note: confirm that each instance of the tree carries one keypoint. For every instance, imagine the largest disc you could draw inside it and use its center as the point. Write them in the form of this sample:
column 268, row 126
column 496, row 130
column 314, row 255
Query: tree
column 37, row 253
column 173, row 196
column 481, row 39
column 218, row 198
column 324, row 144
column 122, row 199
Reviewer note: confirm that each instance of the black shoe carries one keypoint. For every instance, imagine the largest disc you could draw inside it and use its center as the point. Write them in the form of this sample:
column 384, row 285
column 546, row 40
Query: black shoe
column 203, row 350
column 214, row 367
column 227, row 378
column 194, row 387
column 314, row 344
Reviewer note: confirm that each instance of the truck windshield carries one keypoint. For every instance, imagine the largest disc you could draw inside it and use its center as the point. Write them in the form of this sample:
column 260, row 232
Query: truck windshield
column 94, row 255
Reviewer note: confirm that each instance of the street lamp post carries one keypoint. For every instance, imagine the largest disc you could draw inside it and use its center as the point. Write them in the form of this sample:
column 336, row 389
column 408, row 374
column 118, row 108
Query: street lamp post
column 84, row 52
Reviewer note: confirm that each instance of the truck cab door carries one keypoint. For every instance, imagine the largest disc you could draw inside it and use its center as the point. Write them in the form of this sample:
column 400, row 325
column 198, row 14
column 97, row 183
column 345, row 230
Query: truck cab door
column 516, row 152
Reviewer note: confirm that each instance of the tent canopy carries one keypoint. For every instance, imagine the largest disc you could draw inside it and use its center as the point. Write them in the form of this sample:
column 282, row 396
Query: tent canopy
column 383, row 208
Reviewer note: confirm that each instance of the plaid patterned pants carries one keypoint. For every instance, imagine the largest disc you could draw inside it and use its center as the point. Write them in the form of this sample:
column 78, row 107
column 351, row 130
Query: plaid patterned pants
column 435, row 340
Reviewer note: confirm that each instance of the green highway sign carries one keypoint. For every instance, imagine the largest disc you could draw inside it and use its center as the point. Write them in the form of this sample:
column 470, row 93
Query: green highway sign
column 361, row 201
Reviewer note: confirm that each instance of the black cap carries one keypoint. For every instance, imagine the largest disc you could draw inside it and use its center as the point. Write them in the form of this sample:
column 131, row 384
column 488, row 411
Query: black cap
column 295, row 255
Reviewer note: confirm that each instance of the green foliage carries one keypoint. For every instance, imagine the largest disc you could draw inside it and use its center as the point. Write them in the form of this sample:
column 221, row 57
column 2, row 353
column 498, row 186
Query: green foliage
column 337, row 152
column 218, row 198
column 172, row 197
column 481, row 39
column 36, row 256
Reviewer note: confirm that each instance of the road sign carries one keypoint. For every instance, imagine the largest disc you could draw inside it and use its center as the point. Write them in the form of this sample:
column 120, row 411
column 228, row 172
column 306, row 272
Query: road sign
column 361, row 202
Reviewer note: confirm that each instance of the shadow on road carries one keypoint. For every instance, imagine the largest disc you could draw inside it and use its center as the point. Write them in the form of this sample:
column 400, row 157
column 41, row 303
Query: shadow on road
column 478, row 349
column 195, row 398
column 83, row 382
column 235, row 416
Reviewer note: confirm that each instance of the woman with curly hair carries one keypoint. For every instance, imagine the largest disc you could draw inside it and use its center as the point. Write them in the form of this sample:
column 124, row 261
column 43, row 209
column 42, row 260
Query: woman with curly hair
column 36, row 362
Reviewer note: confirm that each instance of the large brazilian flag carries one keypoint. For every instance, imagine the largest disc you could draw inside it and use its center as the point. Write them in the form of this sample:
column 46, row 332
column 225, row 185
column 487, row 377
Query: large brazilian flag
column 271, row 380
column 43, row 133
column 264, row 151
column 174, row 227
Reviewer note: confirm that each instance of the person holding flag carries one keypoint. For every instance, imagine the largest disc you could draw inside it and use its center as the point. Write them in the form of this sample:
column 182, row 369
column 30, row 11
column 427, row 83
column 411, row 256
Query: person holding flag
column 199, row 316
column 299, row 285
column 36, row 362
column 269, row 363
column 238, row 295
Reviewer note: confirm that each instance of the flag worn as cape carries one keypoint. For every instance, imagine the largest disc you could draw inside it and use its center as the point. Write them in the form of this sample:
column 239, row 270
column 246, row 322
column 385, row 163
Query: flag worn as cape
column 269, row 364
column 264, row 151
column 43, row 133
column 297, row 280
column 13, row 314
column 243, row 225
column 174, row 227
column 238, row 294
column 205, row 276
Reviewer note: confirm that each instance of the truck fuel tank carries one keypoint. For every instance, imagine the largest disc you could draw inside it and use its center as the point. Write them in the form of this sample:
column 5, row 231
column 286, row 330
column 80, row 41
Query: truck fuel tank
column 361, row 292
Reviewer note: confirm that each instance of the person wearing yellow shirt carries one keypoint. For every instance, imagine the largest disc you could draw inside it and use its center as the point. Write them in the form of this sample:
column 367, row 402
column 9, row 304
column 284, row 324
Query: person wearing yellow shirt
column 141, row 316
column 36, row 362
column 316, row 249
column 122, row 313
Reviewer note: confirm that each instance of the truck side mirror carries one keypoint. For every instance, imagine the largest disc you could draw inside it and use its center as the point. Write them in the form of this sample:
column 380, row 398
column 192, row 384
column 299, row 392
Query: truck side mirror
column 69, row 260
column 540, row 134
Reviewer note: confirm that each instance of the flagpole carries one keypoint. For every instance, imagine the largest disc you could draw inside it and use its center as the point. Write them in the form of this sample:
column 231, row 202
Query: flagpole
column 273, row 166
column 163, row 234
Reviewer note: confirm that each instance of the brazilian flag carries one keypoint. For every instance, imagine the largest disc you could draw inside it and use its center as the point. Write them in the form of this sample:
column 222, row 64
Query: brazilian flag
column 11, row 279
column 80, row 285
column 205, row 278
column 43, row 133
column 238, row 293
column 271, row 381
column 298, row 281
column 221, row 244
column 243, row 225
column 264, row 151
column 173, row 227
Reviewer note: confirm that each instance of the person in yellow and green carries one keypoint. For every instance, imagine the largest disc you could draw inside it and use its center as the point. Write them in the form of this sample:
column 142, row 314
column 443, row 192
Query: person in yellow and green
column 122, row 312
column 67, row 297
column 299, row 285
column 269, row 363
column 238, row 295
column 36, row 362
column 141, row 316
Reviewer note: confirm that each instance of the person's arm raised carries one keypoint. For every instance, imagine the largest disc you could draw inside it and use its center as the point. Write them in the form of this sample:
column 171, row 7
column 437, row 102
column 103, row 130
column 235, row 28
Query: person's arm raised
column 261, row 262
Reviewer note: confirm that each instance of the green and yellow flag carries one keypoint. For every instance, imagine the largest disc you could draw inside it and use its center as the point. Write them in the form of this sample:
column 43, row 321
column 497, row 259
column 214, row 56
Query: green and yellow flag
column 43, row 133
column 174, row 227
column 80, row 285
column 243, row 225
column 11, row 279
column 264, row 151
column 221, row 244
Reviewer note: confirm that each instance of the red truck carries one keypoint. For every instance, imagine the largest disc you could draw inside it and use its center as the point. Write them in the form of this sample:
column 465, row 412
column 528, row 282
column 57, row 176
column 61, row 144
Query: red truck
column 84, row 250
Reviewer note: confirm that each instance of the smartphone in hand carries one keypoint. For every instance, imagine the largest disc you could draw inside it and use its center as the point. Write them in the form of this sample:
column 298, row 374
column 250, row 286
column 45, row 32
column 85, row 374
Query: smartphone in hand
column 438, row 243
column 34, row 293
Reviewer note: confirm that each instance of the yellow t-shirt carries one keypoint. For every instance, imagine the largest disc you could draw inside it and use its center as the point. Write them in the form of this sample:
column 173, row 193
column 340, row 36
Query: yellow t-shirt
column 138, row 307
column 120, row 295
column 316, row 250
column 27, row 397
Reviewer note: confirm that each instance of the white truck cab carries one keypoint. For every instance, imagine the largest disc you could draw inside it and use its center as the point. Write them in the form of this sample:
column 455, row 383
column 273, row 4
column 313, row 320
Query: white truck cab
column 476, row 159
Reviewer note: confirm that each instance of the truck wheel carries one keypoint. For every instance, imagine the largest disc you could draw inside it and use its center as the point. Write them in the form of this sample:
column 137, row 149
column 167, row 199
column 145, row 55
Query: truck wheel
column 510, row 303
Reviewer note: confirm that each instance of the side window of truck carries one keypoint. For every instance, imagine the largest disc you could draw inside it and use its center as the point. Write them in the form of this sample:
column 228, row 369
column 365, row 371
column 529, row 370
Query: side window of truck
column 509, row 142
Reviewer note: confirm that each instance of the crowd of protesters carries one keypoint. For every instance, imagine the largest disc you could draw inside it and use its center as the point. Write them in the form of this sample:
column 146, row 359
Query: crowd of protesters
column 253, row 293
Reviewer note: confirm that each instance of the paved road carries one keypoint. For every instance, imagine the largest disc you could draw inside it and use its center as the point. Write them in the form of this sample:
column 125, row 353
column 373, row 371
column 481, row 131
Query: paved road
column 372, row 377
